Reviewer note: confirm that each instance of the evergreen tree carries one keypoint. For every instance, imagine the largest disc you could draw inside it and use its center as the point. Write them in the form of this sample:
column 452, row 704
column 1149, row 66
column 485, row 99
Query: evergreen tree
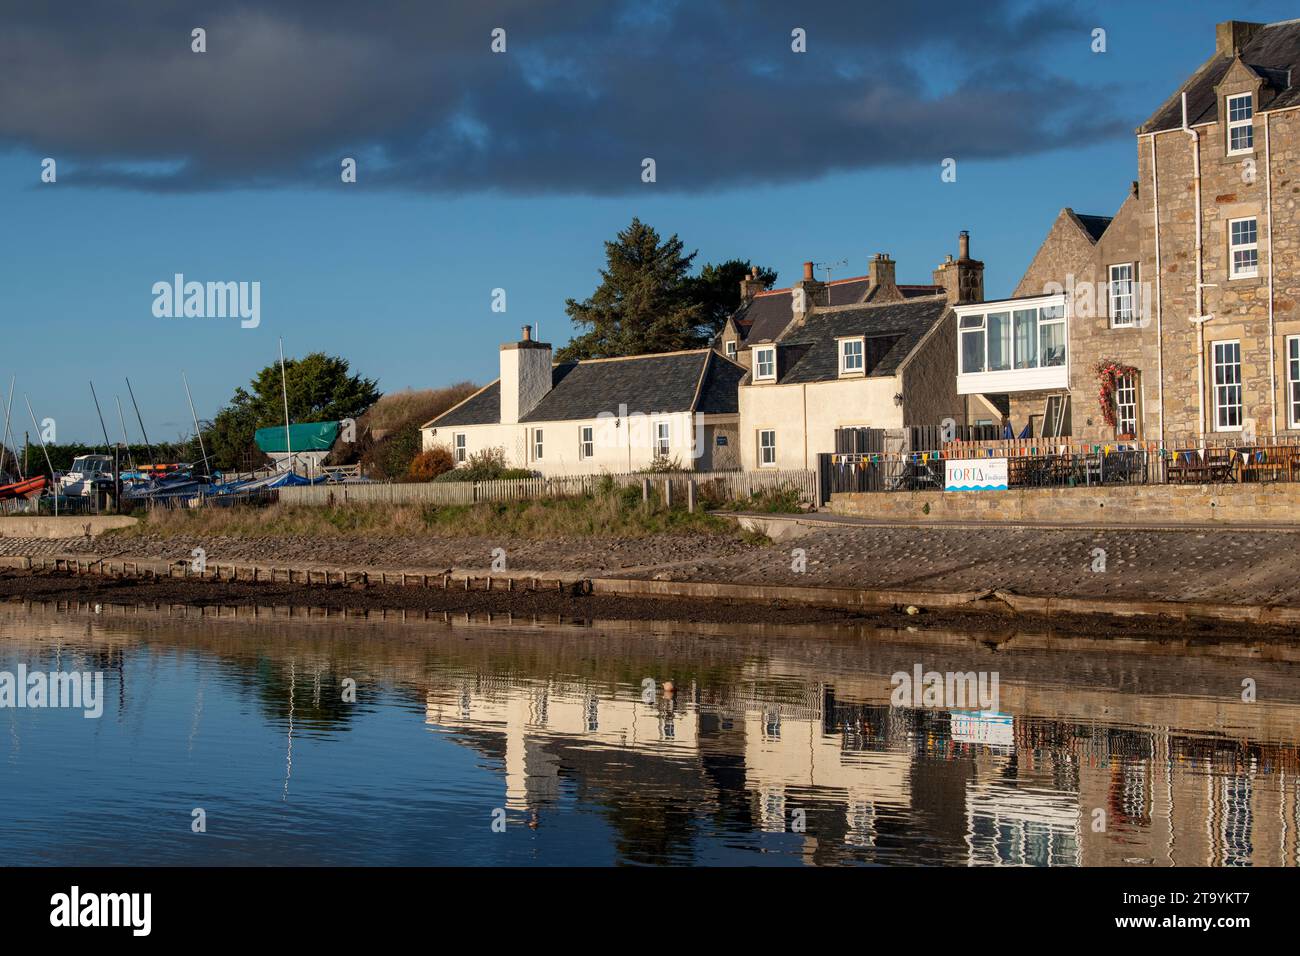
column 320, row 388
column 717, row 289
column 642, row 303
column 648, row 301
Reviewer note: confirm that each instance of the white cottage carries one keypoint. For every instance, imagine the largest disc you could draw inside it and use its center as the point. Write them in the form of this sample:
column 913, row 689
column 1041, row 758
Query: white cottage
column 599, row 415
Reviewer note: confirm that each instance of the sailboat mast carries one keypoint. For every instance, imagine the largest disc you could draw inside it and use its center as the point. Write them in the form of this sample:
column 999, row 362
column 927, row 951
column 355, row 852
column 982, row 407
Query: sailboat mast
column 284, row 390
column 140, row 419
column 54, row 488
column 197, row 430
column 126, row 440
column 100, row 413
column 9, row 407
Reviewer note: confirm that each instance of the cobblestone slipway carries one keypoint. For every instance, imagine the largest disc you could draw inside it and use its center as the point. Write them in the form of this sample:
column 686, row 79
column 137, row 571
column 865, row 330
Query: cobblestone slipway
column 1247, row 567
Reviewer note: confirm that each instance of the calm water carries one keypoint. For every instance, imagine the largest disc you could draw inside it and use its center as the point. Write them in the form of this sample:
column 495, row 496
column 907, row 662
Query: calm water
column 777, row 748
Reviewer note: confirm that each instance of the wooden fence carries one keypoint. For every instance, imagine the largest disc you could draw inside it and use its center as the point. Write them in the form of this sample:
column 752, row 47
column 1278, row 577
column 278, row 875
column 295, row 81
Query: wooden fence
column 716, row 485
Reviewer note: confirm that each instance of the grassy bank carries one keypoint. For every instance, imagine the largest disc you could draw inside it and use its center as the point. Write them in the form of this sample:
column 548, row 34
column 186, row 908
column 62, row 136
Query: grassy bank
column 618, row 513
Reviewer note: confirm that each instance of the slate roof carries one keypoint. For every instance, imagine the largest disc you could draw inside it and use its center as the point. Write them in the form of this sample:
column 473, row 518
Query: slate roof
column 849, row 291
column 481, row 408
column 1094, row 226
column 810, row 353
column 765, row 316
column 768, row 313
column 1273, row 53
column 661, row 382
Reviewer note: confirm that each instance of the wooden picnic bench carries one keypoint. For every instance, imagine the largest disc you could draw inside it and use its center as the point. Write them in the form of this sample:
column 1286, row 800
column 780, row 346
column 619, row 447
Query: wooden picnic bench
column 1208, row 471
column 1277, row 464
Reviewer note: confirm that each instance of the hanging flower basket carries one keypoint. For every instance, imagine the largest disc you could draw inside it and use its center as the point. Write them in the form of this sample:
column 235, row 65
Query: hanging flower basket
column 1109, row 374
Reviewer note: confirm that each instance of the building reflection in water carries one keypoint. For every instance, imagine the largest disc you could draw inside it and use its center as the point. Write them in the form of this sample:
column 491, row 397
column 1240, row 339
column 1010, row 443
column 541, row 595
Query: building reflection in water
column 878, row 783
column 777, row 745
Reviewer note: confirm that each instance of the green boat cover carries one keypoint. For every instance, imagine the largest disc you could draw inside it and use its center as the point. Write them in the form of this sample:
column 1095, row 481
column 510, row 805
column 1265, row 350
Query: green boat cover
column 313, row 436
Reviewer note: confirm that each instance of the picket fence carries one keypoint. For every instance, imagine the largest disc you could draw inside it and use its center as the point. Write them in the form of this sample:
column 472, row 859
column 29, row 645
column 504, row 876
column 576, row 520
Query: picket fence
column 724, row 485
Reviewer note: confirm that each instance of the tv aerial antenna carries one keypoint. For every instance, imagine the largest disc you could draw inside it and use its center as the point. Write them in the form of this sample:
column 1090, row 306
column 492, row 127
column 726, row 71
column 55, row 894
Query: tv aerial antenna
column 830, row 266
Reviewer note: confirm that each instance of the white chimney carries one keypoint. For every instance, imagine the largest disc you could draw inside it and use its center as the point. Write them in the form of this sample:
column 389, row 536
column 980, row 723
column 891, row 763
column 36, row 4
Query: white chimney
column 525, row 376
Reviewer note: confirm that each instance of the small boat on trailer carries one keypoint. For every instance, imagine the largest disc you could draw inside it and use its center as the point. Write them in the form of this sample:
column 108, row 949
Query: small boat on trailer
column 27, row 488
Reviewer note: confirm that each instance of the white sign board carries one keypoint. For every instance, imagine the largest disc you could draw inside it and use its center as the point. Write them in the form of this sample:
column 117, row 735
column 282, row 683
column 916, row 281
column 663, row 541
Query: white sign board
column 983, row 727
column 975, row 474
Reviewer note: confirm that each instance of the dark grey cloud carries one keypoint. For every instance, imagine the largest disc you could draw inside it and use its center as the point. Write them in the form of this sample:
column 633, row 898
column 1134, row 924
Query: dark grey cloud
column 709, row 88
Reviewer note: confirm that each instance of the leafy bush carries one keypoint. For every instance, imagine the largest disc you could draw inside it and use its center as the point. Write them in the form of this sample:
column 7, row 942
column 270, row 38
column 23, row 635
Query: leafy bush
column 663, row 465
column 773, row 501
column 428, row 465
column 391, row 458
column 486, row 465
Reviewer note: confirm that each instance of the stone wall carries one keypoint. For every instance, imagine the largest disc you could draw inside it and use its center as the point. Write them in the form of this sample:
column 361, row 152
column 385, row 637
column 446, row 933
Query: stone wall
column 1277, row 503
column 1071, row 260
column 930, row 379
column 63, row 526
column 721, row 457
column 1232, row 187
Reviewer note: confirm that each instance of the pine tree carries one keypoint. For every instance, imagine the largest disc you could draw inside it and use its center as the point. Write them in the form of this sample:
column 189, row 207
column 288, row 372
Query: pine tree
column 643, row 303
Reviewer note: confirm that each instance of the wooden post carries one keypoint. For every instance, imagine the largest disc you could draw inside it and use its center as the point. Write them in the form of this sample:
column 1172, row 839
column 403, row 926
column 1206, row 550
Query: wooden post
column 668, row 492
column 645, row 490
column 691, row 495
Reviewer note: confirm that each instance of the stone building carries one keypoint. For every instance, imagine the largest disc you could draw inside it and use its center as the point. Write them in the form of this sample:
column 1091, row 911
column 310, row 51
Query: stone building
column 1189, row 291
column 764, row 314
column 1220, row 158
column 863, row 352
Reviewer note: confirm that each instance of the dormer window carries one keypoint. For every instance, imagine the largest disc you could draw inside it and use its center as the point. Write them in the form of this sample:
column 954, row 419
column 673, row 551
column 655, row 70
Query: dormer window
column 851, row 353
column 731, row 349
column 765, row 363
column 1241, row 123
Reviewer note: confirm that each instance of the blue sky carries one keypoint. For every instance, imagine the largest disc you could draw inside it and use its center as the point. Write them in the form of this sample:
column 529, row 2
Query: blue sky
column 397, row 276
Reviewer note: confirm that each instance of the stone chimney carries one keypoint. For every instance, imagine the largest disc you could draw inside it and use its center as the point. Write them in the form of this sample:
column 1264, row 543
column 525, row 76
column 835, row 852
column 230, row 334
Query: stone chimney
column 751, row 285
column 815, row 293
column 882, row 286
column 525, row 376
column 963, row 279
column 1231, row 35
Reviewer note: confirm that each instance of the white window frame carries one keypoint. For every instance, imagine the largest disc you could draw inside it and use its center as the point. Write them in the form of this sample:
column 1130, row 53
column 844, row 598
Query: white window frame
column 586, row 441
column 1235, row 247
column 1247, row 122
column 766, row 449
column 663, row 439
column 459, row 447
column 1293, row 380
column 1127, row 391
column 972, row 324
column 762, row 352
column 1119, row 294
column 538, row 444
column 1223, row 391
column 846, row 366
column 731, row 349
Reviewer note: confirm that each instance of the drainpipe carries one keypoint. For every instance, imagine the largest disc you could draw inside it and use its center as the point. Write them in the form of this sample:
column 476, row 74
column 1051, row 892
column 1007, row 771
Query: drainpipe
column 1272, row 337
column 1200, row 326
column 1160, row 335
